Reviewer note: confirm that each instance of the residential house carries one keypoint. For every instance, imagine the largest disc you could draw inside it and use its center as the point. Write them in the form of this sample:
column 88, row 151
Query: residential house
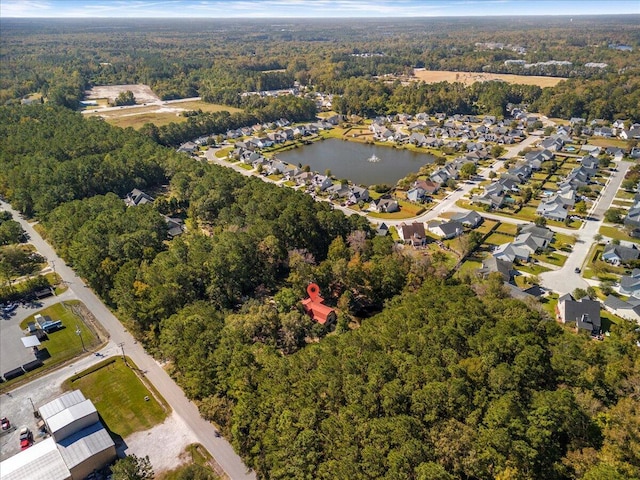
column 384, row 204
column 321, row 181
column 627, row 309
column 554, row 144
column 631, row 134
column 382, row 230
column 188, row 147
column 137, row 197
column 314, row 306
column 585, row 312
column 175, row 226
column 590, row 165
column 630, row 284
column 617, row 254
column 603, row 132
column 543, row 234
column 418, row 139
column 552, row 210
column 428, row 186
column 357, row 194
column 338, row 190
column 440, row 176
column 276, row 167
column 471, row 219
column 413, row 233
column 633, row 216
column 511, row 253
column 493, row 264
column 445, row 230
column 416, row 194
column 304, row 178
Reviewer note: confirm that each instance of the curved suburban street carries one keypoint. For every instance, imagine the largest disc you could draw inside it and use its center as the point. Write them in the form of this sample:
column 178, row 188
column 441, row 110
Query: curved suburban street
column 203, row 431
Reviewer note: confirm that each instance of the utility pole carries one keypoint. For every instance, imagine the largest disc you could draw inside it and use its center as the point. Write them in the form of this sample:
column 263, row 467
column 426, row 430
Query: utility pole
column 79, row 333
column 121, row 345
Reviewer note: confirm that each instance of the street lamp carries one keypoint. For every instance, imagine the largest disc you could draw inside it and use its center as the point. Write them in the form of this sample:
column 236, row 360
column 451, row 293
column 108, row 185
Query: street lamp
column 79, row 333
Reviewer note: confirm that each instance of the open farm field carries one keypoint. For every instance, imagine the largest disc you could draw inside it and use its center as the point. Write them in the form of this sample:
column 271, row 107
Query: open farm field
column 468, row 78
column 157, row 114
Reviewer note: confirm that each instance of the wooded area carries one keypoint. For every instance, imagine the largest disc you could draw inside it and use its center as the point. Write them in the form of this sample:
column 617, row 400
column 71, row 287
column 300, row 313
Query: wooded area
column 441, row 384
column 422, row 377
column 219, row 60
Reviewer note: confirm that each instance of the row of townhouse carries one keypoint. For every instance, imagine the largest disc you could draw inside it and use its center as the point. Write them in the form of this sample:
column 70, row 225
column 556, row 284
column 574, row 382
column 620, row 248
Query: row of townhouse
column 557, row 205
column 498, row 193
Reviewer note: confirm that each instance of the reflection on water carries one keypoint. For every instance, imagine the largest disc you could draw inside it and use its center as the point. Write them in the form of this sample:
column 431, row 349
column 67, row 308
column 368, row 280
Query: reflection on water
column 352, row 160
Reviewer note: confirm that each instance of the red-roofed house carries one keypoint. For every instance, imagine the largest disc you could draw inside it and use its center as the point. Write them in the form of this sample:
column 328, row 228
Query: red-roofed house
column 315, row 307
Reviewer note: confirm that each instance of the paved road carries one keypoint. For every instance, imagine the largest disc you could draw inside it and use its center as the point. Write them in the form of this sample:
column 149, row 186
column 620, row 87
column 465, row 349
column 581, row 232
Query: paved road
column 565, row 280
column 203, row 431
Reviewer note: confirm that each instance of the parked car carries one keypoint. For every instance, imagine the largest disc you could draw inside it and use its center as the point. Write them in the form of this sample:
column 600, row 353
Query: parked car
column 26, row 438
column 6, row 424
column 10, row 307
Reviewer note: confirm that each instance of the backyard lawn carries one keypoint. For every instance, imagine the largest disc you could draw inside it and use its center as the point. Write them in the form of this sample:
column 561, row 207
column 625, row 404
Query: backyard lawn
column 616, row 234
column 125, row 404
column 498, row 239
column 508, row 229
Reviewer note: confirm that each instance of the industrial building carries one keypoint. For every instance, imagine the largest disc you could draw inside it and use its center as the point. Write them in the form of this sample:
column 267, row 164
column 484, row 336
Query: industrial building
column 78, row 445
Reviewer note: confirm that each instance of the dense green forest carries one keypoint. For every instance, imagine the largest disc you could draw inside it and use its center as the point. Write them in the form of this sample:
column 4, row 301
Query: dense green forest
column 421, row 377
column 219, row 59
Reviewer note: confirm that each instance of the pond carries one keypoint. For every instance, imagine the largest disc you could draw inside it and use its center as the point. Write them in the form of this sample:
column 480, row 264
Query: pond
column 351, row 160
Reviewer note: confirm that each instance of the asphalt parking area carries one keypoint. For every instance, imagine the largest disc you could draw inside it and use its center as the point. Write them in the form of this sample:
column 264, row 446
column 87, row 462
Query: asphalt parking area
column 13, row 353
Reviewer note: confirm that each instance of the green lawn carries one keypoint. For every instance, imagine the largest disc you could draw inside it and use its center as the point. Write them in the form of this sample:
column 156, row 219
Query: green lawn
column 533, row 269
column 508, row 229
column 486, row 226
column 498, row 239
column 617, row 234
column 223, row 152
column 119, row 396
column 561, row 239
column 549, row 304
column 65, row 343
column 622, row 194
column 552, row 258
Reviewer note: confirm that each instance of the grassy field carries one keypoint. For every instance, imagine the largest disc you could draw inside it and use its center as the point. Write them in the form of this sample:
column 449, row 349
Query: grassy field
column 65, row 343
column 119, row 396
column 158, row 115
column 468, row 78
column 617, row 234
column 498, row 239
column 507, row 229
column 608, row 142
column 223, row 152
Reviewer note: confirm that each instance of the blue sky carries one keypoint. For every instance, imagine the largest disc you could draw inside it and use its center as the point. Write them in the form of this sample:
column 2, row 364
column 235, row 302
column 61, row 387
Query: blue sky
column 309, row 8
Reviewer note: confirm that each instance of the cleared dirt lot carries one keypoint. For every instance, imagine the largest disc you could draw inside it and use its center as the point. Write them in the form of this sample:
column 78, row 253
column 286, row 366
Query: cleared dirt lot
column 435, row 76
column 142, row 92
column 159, row 115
